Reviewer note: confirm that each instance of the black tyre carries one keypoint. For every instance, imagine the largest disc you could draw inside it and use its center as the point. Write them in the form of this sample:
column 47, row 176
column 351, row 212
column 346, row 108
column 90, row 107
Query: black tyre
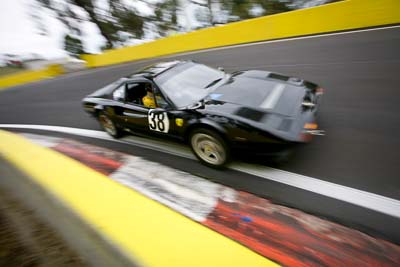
column 109, row 126
column 209, row 147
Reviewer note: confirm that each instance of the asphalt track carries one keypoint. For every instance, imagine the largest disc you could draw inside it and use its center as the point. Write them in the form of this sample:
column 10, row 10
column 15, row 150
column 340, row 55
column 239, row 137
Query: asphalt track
column 360, row 114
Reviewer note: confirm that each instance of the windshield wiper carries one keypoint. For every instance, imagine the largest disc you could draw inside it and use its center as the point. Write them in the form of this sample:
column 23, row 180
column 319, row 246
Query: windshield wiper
column 212, row 83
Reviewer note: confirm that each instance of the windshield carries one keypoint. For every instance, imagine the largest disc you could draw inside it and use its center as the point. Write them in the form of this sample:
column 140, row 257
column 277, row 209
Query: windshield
column 188, row 83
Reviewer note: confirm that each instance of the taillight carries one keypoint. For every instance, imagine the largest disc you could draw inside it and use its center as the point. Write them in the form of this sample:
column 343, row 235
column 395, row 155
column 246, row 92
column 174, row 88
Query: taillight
column 306, row 137
column 310, row 126
column 319, row 91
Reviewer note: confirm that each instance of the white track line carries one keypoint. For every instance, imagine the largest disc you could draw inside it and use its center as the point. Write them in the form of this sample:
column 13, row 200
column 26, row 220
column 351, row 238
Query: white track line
column 354, row 196
column 288, row 39
column 129, row 140
column 357, row 197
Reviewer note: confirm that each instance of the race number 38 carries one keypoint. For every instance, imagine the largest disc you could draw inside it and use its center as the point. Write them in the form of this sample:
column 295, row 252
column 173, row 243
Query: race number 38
column 158, row 121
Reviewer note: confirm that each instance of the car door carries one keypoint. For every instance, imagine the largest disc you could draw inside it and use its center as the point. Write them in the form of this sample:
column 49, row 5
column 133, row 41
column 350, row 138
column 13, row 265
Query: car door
column 161, row 119
column 115, row 107
column 154, row 120
column 135, row 114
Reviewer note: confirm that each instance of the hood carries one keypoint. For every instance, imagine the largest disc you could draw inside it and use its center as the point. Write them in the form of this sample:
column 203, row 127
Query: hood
column 261, row 93
column 265, row 103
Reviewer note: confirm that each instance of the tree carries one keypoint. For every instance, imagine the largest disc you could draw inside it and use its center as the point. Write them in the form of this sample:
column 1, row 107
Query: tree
column 207, row 5
column 104, row 27
column 129, row 21
column 73, row 45
column 166, row 16
column 240, row 9
column 274, row 6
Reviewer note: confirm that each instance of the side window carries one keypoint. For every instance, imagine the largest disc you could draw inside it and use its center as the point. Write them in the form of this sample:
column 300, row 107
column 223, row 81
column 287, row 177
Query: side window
column 161, row 102
column 119, row 93
column 134, row 93
column 144, row 94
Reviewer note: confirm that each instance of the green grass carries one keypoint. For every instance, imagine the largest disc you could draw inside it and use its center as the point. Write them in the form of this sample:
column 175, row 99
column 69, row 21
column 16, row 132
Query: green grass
column 9, row 70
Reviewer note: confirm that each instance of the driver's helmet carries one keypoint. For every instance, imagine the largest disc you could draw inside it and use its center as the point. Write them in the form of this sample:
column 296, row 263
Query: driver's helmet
column 148, row 88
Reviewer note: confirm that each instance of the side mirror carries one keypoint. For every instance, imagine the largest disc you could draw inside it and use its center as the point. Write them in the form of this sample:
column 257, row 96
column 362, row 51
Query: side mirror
column 198, row 105
column 221, row 69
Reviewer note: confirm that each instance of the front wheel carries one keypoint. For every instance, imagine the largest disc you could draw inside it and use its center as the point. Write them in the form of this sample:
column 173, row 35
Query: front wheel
column 109, row 126
column 209, row 148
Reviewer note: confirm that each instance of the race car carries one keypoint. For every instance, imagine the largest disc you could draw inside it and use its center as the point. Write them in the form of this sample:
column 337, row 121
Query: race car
column 218, row 114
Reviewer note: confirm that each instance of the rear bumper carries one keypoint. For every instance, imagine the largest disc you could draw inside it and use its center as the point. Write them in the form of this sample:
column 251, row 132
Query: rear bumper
column 310, row 127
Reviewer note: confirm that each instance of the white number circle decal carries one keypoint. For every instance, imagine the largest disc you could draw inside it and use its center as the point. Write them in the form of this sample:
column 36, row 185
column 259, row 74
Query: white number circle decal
column 158, row 121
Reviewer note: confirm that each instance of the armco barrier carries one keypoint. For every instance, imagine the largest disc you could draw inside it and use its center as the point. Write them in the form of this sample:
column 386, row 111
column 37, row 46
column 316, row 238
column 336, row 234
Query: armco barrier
column 142, row 230
column 30, row 76
column 344, row 15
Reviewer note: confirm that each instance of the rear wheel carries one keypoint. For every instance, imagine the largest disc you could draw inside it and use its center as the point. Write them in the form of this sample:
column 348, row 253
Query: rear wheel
column 109, row 126
column 209, row 148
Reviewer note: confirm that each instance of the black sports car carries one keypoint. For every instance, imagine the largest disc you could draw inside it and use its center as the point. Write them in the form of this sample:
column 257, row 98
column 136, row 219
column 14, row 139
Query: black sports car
column 216, row 113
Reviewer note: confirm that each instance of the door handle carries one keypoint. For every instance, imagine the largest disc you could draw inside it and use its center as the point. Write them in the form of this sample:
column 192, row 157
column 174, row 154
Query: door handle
column 135, row 115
